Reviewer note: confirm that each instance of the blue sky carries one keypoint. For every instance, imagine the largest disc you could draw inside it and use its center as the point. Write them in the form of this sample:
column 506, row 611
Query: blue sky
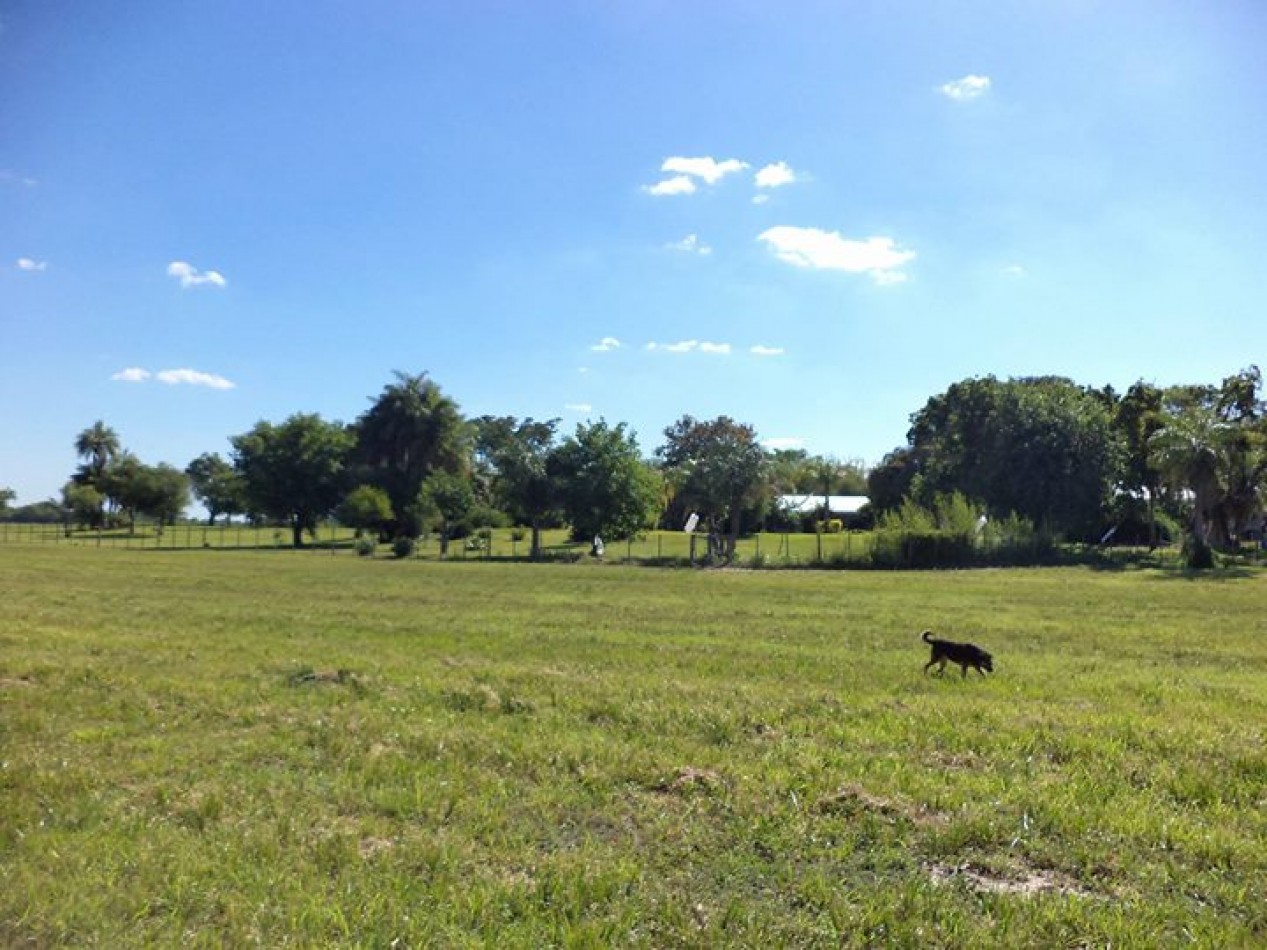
column 808, row 216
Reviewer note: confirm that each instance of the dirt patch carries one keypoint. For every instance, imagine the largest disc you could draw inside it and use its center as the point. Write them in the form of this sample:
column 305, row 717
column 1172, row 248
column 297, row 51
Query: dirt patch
column 16, row 682
column 856, row 800
column 369, row 847
column 688, row 778
column 1025, row 881
column 955, row 761
column 308, row 676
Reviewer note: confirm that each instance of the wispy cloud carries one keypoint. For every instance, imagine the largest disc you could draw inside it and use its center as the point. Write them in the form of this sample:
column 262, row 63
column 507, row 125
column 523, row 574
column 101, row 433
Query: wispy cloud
column 190, row 276
column 173, row 377
column 30, row 264
column 691, row 244
column 678, row 185
column 761, row 350
column 965, row 89
column 775, row 175
column 1013, row 270
column 689, row 346
column 192, row 377
column 8, row 177
column 578, row 407
column 606, row 345
column 813, row 248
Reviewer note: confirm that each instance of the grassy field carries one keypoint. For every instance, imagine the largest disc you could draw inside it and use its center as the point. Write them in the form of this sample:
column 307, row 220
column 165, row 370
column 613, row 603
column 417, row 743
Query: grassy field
column 590, row 755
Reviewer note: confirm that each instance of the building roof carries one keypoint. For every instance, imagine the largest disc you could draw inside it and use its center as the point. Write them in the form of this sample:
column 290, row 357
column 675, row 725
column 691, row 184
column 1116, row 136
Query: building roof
column 810, row 504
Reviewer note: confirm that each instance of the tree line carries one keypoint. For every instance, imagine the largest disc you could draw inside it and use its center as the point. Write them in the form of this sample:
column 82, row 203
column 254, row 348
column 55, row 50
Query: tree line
column 1073, row 462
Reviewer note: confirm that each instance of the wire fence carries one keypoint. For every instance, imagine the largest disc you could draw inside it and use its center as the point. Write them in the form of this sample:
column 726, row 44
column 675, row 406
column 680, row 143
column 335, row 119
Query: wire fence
column 668, row 547
column 846, row 549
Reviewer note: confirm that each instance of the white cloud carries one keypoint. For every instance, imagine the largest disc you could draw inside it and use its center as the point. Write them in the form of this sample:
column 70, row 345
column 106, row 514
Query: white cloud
column 775, row 175
column 30, row 264
column 578, row 407
column 688, row 346
column 691, row 244
column 606, row 345
column 786, row 442
column 887, row 278
column 760, row 199
column 879, row 257
column 1013, row 270
column 173, row 377
column 709, row 170
column 192, row 377
column 679, row 185
column 190, row 276
column 760, row 350
column 8, row 177
column 965, row 89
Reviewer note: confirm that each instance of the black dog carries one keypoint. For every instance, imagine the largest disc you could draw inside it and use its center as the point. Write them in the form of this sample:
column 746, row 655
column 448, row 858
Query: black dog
column 965, row 654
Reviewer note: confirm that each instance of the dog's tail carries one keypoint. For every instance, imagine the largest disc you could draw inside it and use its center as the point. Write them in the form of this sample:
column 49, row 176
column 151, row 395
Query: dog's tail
column 928, row 636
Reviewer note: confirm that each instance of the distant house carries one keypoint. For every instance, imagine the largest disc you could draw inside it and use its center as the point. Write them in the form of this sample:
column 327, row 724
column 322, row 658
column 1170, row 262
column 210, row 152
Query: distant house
column 839, row 506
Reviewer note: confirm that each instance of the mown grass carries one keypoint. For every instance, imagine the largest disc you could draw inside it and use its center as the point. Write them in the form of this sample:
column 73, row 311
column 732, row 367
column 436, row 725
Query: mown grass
column 595, row 755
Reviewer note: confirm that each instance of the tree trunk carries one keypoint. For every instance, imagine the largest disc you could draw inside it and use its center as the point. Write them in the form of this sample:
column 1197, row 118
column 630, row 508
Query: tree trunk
column 297, row 532
column 536, row 542
column 732, row 539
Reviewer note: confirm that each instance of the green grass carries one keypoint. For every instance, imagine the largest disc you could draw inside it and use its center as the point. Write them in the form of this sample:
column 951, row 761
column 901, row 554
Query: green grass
column 593, row 755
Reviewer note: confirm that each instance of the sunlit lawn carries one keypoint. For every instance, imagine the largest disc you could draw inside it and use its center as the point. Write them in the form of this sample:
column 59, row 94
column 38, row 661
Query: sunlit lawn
column 592, row 754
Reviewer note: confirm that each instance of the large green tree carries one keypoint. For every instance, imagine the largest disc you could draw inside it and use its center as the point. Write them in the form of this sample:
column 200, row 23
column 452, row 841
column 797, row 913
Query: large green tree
column 133, row 488
column 1043, row 448
column 444, row 502
column 717, row 467
column 516, row 455
column 604, row 486
column 295, row 471
column 411, row 430
column 217, row 484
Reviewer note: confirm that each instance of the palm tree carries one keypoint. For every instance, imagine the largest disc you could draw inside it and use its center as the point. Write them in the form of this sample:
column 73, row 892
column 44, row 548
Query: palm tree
column 97, row 445
column 1192, row 454
column 412, row 430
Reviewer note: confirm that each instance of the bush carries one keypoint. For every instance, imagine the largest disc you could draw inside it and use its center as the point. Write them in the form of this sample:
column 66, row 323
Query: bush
column 404, row 547
column 834, row 526
column 518, row 533
column 954, row 532
column 365, row 547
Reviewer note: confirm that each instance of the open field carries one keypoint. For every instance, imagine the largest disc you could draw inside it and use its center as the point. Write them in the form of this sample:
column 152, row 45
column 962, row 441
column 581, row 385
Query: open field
column 593, row 755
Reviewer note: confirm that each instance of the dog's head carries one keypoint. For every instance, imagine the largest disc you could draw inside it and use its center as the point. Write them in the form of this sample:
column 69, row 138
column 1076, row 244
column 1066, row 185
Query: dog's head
column 987, row 661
